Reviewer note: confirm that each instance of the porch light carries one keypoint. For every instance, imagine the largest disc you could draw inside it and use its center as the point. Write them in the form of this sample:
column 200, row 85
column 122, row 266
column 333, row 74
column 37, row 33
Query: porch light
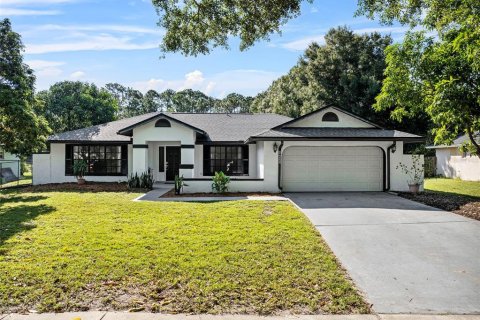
column 275, row 147
column 394, row 148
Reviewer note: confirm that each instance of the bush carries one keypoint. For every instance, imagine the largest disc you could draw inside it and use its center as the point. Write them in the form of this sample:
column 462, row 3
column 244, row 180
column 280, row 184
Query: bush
column 220, row 182
column 144, row 181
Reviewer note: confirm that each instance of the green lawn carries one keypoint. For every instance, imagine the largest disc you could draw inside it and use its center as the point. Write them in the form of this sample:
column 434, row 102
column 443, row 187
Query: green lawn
column 454, row 186
column 64, row 251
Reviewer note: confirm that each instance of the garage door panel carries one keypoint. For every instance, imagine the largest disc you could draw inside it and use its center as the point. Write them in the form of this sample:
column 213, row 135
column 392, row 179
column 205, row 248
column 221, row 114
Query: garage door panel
column 332, row 169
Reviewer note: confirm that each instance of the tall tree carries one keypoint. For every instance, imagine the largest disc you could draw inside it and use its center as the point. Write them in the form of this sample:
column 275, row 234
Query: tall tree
column 192, row 101
column 21, row 130
column 234, row 103
column 437, row 75
column 152, row 101
column 346, row 71
column 196, row 26
column 130, row 101
column 72, row 105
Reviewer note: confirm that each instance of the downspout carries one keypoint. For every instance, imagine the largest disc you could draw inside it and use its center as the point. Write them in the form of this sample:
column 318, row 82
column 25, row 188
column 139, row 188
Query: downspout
column 280, row 165
column 394, row 144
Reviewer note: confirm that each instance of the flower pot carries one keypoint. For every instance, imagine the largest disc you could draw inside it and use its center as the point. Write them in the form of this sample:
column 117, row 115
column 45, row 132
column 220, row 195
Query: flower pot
column 80, row 180
column 414, row 188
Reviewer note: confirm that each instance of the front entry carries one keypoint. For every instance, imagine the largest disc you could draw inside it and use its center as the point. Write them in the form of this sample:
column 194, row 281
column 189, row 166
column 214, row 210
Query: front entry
column 172, row 162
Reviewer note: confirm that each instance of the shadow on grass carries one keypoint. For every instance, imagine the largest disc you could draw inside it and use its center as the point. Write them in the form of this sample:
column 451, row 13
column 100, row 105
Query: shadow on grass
column 89, row 187
column 19, row 218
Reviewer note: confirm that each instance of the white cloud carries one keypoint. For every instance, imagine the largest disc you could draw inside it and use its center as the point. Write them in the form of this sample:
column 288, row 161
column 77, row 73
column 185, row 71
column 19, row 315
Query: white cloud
column 33, row 2
column 98, row 28
column 27, row 12
column 95, row 43
column 77, row 75
column 247, row 82
column 46, row 69
column 302, row 44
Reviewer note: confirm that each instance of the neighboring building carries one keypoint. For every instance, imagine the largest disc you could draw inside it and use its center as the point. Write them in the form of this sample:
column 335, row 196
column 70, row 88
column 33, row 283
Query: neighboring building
column 327, row 150
column 453, row 163
column 9, row 166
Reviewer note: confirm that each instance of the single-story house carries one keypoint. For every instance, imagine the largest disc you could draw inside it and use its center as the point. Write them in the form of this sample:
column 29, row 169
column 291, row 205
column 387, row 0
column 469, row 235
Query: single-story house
column 9, row 166
column 329, row 149
column 453, row 163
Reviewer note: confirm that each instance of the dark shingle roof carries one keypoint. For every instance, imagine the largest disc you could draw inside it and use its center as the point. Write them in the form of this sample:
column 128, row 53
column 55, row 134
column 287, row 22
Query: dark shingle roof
column 457, row 142
column 218, row 126
column 334, row 133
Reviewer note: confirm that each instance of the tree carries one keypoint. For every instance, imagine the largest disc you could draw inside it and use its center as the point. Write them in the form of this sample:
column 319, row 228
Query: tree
column 196, row 26
column 72, row 105
column 130, row 101
column 21, row 130
column 234, row 103
column 346, row 71
column 152, row 101
column 191, row 101
column 437, row 75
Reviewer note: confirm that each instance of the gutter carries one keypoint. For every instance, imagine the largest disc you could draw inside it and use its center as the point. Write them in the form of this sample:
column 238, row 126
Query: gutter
column 394, row 144
column 280, row 165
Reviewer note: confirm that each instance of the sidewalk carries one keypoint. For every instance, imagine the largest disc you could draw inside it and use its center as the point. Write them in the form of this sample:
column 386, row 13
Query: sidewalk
column 101, row 315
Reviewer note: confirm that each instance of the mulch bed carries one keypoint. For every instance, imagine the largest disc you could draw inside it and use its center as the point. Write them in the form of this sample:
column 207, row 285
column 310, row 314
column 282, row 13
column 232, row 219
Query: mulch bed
column 88, row 187
column 462, row 205
column 171, row 194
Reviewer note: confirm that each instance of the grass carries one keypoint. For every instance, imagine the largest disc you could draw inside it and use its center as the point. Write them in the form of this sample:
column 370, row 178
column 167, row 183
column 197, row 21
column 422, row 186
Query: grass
column 453, row 186
column 64, row 251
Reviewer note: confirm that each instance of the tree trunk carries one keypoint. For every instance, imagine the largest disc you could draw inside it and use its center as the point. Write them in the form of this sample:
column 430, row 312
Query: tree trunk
column 473, row 141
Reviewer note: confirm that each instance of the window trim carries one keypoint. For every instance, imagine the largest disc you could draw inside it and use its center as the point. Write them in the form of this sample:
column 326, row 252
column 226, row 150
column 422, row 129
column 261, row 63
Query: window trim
column 207, row 160
column 69, row 159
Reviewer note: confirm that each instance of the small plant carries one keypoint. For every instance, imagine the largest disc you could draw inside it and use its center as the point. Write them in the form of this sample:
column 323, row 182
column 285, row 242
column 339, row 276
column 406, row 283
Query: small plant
column 144, row 181
column 80, row 167
column 179, row 184
column 414, row 172
column 220, row 182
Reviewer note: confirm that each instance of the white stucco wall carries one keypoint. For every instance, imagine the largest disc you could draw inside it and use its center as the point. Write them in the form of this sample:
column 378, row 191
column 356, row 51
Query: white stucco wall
column 452, row 164
column 50, row 168
column 398, row 180
column 344, row 121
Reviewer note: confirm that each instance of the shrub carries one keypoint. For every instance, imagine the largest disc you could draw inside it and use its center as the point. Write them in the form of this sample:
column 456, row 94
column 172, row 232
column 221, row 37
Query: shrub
column 144, row 181
column 220, row 182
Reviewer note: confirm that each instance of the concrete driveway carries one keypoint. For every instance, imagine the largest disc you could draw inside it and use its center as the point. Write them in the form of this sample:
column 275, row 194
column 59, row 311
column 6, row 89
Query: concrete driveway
column 406, row 257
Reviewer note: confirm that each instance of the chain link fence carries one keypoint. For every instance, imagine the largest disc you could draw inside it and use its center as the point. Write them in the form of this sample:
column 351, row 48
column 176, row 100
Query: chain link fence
column 10, row 173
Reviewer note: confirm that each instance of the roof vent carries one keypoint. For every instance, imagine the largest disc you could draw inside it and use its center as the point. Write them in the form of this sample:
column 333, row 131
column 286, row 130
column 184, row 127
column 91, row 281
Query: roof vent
column 330, row 117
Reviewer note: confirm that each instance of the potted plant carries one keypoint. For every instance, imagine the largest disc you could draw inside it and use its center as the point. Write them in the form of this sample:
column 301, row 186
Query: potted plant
column 80, row 167
column 415, row 173
column 179, row 184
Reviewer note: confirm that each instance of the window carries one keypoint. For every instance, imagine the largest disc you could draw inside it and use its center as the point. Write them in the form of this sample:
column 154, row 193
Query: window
column 162, row 123
column 232, row 160
column 102, row 160
column 330, row 117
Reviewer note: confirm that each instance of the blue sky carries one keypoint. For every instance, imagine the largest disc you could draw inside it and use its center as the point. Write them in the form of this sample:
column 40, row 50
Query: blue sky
column 104, row 41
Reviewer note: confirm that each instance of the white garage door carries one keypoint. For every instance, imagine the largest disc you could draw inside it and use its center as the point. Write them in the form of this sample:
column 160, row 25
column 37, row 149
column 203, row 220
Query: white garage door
column 332, row 169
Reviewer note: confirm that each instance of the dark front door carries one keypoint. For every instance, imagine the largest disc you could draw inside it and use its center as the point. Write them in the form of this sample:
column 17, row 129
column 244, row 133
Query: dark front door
column 172, row 162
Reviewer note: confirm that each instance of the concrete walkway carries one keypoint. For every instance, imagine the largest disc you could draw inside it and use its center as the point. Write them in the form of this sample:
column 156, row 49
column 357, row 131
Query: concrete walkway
column 405, row 256
column 160, row 189
column 98, row 315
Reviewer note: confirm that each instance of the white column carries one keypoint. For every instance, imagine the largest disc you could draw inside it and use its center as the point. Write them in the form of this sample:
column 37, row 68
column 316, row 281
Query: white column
column 140, row 158
column 187, row 167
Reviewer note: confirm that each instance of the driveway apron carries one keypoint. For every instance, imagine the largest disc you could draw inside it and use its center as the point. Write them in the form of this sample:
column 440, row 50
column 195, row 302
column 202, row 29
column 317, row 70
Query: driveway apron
column 405, row 256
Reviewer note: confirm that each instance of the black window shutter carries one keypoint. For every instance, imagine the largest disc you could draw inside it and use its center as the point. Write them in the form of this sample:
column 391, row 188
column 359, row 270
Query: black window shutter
column 161, row 159
column 206, row 161
column 68, row 159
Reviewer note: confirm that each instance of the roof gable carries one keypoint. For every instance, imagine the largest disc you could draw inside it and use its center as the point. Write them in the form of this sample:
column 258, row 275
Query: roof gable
column 322, row 118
